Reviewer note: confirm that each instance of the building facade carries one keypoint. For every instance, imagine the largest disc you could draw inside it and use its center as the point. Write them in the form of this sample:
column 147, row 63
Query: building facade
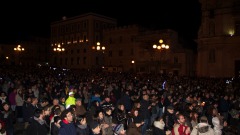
column 130, row 48
column 219, row 39
column 78, row 35
column 31, row 51
column 127, row 48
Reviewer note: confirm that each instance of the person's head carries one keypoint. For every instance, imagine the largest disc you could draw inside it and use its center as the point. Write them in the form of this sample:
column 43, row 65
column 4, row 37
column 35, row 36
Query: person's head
column 6, row 106
column 44, row 102
column 38, row 113
column 226, row 97
column 180, row 119
column 159, row 123
column 203, row 119
column 121, row 107
column 81, row 119
column 47, row 110
column 67, row 115
column 96, row 94
column 63, row 99
column 107, row 99
column 71, row 94
column 78, row 102
column 95, row 127
column 108, row 111
column 135, row 112
column 57, row 121
column 34, row 100
column 137, row 104
column 146, row 97
column 170, row 109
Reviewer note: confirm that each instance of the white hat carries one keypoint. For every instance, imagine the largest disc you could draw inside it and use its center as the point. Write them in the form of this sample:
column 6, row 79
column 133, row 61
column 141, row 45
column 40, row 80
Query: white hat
column 70, row 93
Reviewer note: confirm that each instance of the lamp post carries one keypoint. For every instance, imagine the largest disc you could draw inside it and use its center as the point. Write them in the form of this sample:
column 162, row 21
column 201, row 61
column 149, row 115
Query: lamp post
column 160, row 47
column 19, row 49
column 58, row 49
column 99, row 48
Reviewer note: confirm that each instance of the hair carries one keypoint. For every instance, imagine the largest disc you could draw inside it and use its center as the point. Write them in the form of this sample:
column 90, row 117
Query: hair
column 57, row 111
column 38, row 112
column 178, row 115
column 64, row 113
column 43, row 100
column 107, row 109
column 80, row 117
column 56, row 119
column 45, row 108
column 203, row 119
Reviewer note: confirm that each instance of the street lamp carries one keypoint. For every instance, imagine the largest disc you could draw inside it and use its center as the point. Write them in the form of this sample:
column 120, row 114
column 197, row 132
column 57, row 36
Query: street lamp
column 99, row 57
column 58, row 49
column 161, row 47
column 99, row 47
column 19, row 49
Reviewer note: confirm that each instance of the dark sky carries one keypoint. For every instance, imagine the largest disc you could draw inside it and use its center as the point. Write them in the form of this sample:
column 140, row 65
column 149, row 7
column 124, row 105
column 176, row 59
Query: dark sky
column 34, row 17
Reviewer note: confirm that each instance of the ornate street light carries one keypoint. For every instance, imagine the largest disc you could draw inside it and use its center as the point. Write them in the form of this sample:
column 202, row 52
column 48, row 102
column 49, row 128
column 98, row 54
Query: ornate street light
column 19, row 49
column 161, row 46
column 99, row 47
column 58, row 49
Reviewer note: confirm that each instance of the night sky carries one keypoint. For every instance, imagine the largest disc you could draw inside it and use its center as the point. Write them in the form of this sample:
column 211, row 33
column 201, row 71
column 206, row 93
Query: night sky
column 34, row 18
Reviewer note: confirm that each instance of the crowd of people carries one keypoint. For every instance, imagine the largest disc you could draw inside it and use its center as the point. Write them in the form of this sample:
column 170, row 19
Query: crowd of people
column 56, row 101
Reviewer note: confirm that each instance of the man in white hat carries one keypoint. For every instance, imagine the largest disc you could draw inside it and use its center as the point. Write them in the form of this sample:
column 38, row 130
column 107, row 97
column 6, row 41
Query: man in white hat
column 70, row 100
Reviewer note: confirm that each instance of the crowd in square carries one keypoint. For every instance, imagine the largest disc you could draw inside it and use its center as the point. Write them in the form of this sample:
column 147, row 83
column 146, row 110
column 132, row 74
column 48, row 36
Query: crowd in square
column 56, row 101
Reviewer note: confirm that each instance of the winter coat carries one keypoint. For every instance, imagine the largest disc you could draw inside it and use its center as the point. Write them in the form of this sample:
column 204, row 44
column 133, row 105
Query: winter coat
column 202, row 129
column 67, row 128
column 37, row 127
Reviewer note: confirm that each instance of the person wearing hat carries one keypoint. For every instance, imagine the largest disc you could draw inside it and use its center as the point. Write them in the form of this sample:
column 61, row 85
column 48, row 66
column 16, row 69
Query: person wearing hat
column 95, row 128
column 70, row 100
column 119, row 130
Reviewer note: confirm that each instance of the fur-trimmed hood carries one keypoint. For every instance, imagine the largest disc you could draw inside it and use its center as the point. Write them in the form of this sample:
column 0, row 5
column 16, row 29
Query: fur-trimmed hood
column 159, row 124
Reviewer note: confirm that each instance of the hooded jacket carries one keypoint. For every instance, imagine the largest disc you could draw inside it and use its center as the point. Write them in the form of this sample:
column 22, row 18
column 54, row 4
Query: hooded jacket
column 202, row 129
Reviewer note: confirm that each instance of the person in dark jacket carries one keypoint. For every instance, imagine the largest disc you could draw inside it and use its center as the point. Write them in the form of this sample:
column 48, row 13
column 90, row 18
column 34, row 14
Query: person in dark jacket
column 37, row 126
column 81, row 125
column 158, row 127
column 145, row 113
column 67, row 125
column 7, row 116
column 169, row 118
column 55, row 125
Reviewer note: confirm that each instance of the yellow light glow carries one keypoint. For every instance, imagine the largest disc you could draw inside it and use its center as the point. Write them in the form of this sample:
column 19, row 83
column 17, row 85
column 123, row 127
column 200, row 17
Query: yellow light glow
column 231, row 32
column 160, row 41
column 7, row 58
column 133, row 61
